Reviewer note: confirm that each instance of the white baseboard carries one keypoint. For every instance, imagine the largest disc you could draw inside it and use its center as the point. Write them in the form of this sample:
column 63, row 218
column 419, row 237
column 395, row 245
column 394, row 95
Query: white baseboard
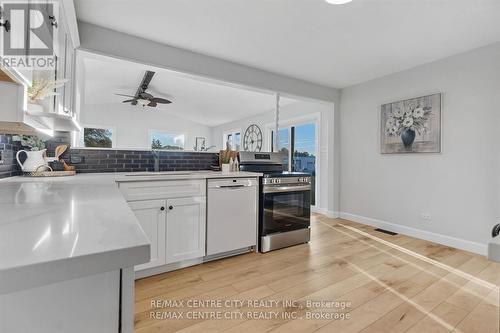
column 326, row 212
column 418, row 233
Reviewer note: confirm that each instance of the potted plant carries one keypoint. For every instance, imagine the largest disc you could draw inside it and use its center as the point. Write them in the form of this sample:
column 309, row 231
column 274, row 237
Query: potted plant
column 224, row 158
column 41, row 89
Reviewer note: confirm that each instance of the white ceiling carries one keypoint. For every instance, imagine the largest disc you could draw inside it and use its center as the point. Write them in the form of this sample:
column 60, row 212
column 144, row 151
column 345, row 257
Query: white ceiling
column 333, row 45
column 200, row 100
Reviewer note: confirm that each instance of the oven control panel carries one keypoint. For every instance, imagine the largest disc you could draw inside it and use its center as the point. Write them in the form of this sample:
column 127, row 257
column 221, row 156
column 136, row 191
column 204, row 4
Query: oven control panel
column 286, row 180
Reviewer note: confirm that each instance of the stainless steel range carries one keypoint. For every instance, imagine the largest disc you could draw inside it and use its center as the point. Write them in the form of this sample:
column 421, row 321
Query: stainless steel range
column 285, row 201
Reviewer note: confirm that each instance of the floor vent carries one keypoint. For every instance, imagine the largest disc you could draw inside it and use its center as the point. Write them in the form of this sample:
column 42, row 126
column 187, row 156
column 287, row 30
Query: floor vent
column 386, row 232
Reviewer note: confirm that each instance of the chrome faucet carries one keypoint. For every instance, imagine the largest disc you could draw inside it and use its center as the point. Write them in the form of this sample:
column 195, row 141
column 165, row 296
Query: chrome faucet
column 208, row 148
column 156, row 157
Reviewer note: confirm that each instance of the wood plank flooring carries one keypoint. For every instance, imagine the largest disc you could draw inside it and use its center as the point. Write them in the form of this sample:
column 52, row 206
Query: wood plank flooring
column 381, row 283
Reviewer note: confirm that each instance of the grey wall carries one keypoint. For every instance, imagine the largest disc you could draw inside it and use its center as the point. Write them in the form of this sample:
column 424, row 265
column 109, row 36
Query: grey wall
column 460, row 186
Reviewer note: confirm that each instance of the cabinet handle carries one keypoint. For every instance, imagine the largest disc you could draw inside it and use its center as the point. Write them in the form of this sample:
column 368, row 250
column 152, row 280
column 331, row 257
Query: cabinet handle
column 162, row 208
column 170, row 207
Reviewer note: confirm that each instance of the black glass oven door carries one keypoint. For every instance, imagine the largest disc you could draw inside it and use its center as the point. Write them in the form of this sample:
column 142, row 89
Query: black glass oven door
column 286, row 211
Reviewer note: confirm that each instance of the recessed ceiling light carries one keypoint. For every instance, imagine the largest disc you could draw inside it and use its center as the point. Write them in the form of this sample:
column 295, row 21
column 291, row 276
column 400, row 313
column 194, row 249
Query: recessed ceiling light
column 337, row 2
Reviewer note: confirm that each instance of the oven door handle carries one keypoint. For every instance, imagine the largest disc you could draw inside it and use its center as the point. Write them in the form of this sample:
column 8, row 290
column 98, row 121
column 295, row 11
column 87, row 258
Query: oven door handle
column 294, row 188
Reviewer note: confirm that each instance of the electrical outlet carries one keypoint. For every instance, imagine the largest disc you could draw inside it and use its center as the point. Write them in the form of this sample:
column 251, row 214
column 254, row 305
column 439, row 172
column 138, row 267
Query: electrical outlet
column 425, row 216
column 76, row 159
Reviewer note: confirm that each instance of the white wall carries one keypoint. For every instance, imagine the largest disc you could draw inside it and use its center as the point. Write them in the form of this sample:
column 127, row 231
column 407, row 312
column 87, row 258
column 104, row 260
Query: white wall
column 132, row 124
column 302, row 110
column 460, row 186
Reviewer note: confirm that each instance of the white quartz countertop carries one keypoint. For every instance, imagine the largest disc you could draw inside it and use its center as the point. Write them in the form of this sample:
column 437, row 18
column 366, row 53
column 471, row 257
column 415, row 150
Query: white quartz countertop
column 176, row 175
column 60, row 228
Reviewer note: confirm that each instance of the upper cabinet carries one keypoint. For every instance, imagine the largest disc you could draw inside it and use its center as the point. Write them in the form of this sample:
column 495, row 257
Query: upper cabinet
column 65, row 58
column 45, row 34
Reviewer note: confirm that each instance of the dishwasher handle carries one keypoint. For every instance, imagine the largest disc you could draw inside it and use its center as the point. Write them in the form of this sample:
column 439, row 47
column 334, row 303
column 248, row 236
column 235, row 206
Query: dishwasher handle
column 232, row 183
column 233, row 186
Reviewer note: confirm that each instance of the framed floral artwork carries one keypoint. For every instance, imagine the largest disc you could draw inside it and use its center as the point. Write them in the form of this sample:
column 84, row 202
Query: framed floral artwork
column 411, row 126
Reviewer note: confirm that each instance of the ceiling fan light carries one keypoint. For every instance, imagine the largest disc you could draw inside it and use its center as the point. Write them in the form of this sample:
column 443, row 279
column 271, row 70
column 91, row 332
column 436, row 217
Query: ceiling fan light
column 143, row 102
column 338, row 2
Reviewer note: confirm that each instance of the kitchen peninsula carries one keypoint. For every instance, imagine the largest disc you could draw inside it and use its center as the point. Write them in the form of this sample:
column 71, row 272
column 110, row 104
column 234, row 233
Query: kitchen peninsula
column 69, row 245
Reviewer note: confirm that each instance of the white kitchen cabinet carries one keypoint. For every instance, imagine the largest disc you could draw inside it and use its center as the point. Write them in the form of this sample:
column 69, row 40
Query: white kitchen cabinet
column 185, row 228
column 58, row 111
column 152, row 217
column 163, row 189
column 173, row 216
column 88, row 304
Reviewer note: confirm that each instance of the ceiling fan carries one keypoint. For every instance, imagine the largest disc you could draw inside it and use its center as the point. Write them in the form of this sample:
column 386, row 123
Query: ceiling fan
column 143, row 98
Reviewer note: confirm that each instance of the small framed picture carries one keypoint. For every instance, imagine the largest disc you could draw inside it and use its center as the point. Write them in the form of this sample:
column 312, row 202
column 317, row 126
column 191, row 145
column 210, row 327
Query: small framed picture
column 200, row 143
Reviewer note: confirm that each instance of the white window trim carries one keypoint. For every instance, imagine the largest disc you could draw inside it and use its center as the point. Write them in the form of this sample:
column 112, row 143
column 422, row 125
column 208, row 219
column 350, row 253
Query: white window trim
column 233, row 133
column 81, row 144
column 313, row 118
column 150, row 136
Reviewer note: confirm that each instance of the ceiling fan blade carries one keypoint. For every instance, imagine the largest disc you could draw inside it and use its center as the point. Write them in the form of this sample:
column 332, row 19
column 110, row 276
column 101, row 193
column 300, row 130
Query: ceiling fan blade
column 160, row 100
column 124, row 95
column 128, row 101
column 148, row 76
column 152, row 104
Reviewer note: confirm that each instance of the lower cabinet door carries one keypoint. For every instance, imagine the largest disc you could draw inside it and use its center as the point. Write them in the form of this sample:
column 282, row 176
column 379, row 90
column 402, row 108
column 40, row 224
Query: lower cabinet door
column 151, row 215
column 185, row 228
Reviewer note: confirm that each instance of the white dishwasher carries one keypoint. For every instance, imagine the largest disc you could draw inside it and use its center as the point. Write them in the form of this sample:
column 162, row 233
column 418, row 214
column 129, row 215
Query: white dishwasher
column 232, row 214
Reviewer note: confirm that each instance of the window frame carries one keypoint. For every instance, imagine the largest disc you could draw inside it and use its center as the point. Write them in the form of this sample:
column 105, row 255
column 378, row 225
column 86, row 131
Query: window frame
column 313, row 118
column 232, row 132
column 167, row 132
column 81, row 141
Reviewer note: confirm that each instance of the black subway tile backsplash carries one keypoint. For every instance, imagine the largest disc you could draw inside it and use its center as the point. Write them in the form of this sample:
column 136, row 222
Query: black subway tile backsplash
column 9, row 149
column 99, row 160
column 95, row 160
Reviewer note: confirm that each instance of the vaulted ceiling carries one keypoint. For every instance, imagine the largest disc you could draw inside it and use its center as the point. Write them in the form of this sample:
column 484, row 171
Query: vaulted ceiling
column 197, row 99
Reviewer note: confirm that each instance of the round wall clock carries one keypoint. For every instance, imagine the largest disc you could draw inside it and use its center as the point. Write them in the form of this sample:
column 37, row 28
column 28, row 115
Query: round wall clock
column 252, row 141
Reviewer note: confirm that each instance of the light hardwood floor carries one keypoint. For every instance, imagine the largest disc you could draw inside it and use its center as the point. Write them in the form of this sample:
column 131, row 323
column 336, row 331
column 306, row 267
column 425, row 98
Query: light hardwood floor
column 393, row 283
